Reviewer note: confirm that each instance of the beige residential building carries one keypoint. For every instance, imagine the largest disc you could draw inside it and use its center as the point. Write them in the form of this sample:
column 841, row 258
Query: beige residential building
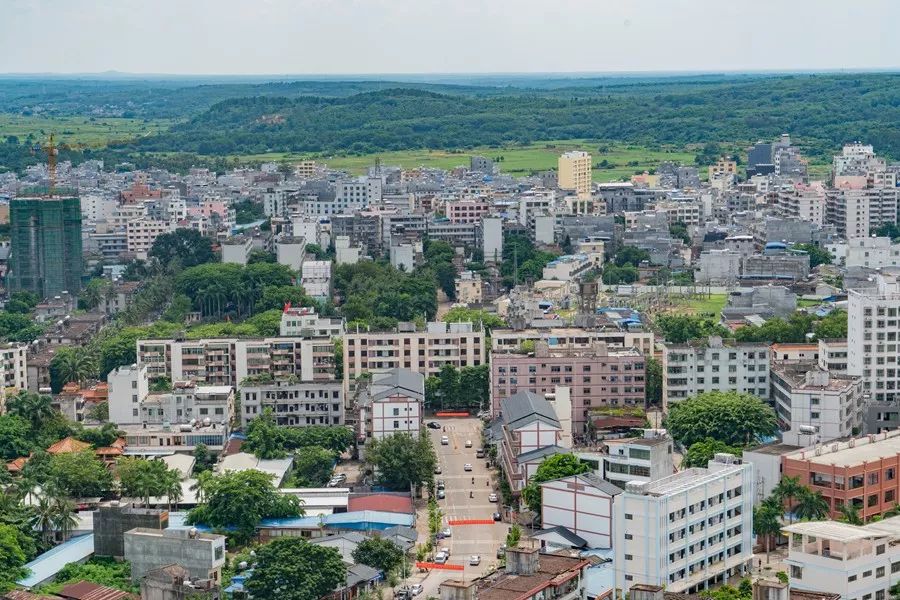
column 423, row 351
column 724, row 167
column 141, row 233
column 469, row 288
column 575, row 173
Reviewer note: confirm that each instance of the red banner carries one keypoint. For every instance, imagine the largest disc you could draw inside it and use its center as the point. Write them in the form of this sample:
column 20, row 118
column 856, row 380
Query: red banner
column 445, row 566
column 451, row 414
column 471, row 522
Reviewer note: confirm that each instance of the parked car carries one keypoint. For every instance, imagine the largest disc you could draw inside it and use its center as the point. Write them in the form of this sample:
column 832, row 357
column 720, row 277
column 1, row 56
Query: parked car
column 440, row 558
column 403, row 594
column 474, row 560
column 416, row 589
column 492, row 497
column 446, row 551
column 441, row 494
column 445, row 441
column 433, row 425
column 468, row 443
column 447, row 533
column 467, row 467
column 437, row 469
column 497, row 517
column 440, row 484
column 501, row 551
column 479, row 453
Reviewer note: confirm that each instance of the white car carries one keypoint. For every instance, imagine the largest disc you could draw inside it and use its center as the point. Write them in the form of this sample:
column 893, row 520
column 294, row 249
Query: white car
column 468, row 443
column 474, row 560
column 492, row 498
column 467, row 467
column 445, row 441
column 447, row 533
column 440, row 558
column 445, row 551
column 415, row 589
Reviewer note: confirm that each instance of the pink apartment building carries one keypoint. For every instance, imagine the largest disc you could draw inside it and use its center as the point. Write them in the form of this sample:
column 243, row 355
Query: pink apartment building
column 596, row 377
column 467, row 211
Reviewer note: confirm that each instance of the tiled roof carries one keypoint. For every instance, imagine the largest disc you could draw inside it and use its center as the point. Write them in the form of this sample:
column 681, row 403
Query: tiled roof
column 68, row 445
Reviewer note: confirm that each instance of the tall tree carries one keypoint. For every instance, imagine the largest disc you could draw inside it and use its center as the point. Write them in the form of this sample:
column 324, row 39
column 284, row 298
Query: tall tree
column 787, row 491
column 731, row 417
column 12, row 557
column 811, row 506
column 653, row 377
column 767, row 523
column 379, row 553
column 402, row 461
column 700, row 453
column 141, row 478
column 34, row 408
column 313, row 466
column 80, row 474
column 189, row 246
column 293, row 569
column 553, row 467
column 73, row 365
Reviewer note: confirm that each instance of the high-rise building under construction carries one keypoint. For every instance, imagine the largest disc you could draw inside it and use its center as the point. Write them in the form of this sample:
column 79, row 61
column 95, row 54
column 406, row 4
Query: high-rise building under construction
column 45, row 252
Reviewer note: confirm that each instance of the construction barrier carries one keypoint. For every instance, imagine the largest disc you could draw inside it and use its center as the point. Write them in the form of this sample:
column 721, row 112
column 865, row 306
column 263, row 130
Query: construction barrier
column 471, row 522
column 443, row 413
column 445, row 566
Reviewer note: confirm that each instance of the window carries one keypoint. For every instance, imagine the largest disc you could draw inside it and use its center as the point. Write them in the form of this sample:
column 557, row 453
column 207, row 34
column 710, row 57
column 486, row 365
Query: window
column 895, row 567
column 867, row 573
column 396, row 412
column 879, row 572
column 796, row 572
column 879, row 549
column 851, row 579
column 396, row 424
column 628, row 557
column 629, row 516
column 628, row 536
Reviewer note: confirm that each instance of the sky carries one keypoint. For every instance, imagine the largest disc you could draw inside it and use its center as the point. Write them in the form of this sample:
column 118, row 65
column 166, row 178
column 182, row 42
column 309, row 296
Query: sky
column 445, row 36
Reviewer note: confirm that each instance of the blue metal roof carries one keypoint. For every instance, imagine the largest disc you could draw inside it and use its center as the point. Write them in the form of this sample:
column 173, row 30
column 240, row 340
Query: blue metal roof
column 51, row 562
column 361, row 520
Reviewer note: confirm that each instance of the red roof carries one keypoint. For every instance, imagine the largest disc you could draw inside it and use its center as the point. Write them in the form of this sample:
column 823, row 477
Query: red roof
column 85, row 590
column 399, row 503
column 68, row 445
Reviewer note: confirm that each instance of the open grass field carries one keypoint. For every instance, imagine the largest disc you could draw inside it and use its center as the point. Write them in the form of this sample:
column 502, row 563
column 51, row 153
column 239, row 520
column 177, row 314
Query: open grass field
column 78, row 131
column 622, row 160
column 714, row 303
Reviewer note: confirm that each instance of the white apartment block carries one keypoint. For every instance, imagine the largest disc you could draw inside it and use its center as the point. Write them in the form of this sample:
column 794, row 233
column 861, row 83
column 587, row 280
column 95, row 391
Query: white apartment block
column 872, row 338
column 392, row 403
column 290, row 251
column 639, row 459
column 303, row 322
column 236, row 250
column 572, row 338
column 714, row 365
column 229, row 361
column 426, row 351
column 294, row 404
column 689, row 531
column 803, row 202
column 534, row 202
column 13, row 369
column 688, row 213
column 857, row 213
column 128, row 386
column 872, row 252
column 833, row 356
column 315, row 277
column 583, row 504
column 185, row 403
column 568, row 268
column 815, row 406
column 95, row 207
column 141, row 233
column 492, row 239
column 857, row 562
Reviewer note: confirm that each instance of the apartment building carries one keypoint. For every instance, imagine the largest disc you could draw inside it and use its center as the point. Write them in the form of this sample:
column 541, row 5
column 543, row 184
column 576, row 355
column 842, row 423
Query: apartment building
column 621, row 335
column 642, row 459
column 141, row 233
column 583, row 504
column 872, row 338
column 575, row 173
column 294, row 404
column 304, row 322
column 724, row 168
column 568, row 268
column 714, row 365
column 531, row 431
column 392, row 403
column 858, row 213
column 859, row 562
column 862, row 472
column 236, row 250
column 872, row 252
column 229, row 361
column 455, row 234
column 595, row 377
column 423, row 351
column 13, row 368
column 803, row 202
column 315, row 277
column 833, row 356
column 467, row 210
column 687, row 211
column 202, row 554
column 814, row 405
column 469, row 288
column 689, row 531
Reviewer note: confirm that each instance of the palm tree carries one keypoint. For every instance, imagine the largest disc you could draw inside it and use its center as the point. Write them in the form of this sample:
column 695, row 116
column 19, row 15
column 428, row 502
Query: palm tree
column 850, row 514
column 811, row 506
column 34, row 408
column 64, row 516
column 44, row 517
column 767, row 523
column 76, row 365
column 202, row 485
column 173, row 489
column 788, row 490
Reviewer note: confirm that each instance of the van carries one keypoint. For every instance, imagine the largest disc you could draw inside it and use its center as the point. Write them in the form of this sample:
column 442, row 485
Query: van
column 445, row 441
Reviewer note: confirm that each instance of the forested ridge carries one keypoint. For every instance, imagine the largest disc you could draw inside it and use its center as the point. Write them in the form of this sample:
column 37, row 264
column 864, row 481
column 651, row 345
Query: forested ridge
column 826, row 110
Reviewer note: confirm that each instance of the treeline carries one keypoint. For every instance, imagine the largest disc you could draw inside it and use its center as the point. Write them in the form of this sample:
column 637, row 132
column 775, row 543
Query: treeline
column 823, row 111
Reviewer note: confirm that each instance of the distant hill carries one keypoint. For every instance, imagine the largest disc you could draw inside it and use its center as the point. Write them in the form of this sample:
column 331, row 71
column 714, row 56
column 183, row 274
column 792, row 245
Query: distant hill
column 822, row 110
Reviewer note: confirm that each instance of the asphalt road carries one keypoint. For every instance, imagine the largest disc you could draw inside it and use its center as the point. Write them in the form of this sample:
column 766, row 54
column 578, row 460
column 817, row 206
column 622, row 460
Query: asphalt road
column 466, row 540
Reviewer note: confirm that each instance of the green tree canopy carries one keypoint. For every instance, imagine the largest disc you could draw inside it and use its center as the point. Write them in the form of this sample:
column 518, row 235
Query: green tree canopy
column 241, row 499
column 189, row 246
column 402, row 461
column 80, row 474
column 700, row 453
column 141, row 478
column 12, row 558
column 379, row 553
column 629, row 255
column 293, row 569
column 553, row 467
column 460, row 314
column 833, row 326
column 313, row 466
column 730, row 417
column 679, row 329
column 817, row 254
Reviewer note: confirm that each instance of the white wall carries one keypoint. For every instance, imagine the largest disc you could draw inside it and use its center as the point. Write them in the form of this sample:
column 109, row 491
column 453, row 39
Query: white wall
column 584, row 510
